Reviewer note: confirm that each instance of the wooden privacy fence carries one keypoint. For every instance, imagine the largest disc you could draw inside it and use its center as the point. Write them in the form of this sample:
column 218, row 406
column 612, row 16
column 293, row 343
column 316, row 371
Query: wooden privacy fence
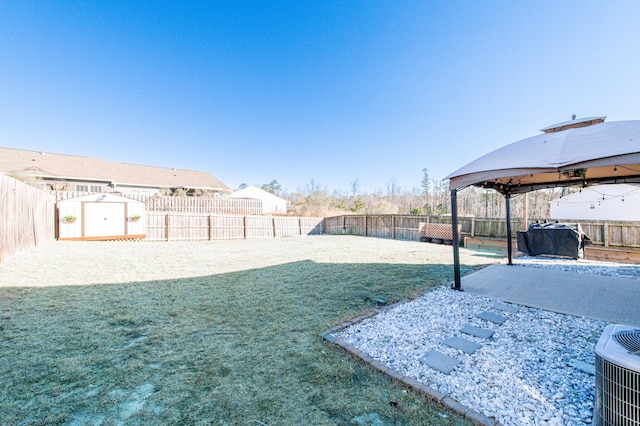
column 613, row 234
column 185, row 226
column 605, row 233
column 397, row 227
column 27, row 216
column 158, row 203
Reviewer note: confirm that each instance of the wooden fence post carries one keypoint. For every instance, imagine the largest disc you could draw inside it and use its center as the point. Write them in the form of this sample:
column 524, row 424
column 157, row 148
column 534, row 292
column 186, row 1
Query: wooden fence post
column 167, row 226
column 300, row 224
column 393, row 227
column 605, row 234
column 275, row 231
column 210, row 227
column 245, row 227
column 473, row 226
column 366, row 225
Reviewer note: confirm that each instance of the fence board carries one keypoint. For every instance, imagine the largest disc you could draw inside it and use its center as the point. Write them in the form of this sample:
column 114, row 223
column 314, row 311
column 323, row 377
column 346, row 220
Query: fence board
column 407, row 227
column 311, row 226
column 379, row 226
column 27, row 216
column 607, row 233
column 192, row 226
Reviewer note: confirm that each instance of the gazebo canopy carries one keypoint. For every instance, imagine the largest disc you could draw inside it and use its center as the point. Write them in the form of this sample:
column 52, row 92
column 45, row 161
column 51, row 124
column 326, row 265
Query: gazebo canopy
column 577, row 152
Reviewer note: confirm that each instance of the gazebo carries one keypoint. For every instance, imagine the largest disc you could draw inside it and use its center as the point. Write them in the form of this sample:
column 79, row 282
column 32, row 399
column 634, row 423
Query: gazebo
column 579, row 152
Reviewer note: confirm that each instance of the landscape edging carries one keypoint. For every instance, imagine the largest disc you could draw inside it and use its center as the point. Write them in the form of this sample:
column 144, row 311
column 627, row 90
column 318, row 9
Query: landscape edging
column 421, row 388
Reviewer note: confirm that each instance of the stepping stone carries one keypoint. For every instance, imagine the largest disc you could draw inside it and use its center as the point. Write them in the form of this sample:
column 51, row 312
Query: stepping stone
column 506, row 307
column 483, row 333
column 466, row 346
column 583, row 366
column 491, row 317
column 439, row 361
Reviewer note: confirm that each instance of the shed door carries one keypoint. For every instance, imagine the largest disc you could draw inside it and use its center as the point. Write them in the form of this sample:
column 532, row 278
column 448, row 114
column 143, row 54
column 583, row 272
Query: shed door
column 104, row 219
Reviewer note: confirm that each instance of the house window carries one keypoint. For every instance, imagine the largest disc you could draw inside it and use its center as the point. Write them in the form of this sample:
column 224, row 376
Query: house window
column 82, row 188
column 592, row 206
column 95, row 188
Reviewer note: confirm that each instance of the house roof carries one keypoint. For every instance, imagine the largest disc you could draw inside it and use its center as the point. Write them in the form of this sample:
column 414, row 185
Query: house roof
column 67, row 167
column 257, row 193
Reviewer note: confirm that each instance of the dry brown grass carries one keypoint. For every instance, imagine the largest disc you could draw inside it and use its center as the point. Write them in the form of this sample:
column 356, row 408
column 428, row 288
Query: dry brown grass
column 239, row 347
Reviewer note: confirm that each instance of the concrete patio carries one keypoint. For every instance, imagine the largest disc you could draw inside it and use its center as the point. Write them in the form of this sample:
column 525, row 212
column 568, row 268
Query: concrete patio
column 605, row 298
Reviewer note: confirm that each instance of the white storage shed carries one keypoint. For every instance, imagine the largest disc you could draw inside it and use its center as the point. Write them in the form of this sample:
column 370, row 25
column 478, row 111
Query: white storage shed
column 101, row 216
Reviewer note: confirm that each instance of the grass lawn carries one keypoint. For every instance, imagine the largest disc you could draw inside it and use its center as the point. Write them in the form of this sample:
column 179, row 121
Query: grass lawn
column 238, row 347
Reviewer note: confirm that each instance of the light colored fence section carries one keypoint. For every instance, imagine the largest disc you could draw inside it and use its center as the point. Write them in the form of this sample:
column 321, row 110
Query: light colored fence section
column 606, row 233
column 27, row 216
column 212, row 205
column 189, row 226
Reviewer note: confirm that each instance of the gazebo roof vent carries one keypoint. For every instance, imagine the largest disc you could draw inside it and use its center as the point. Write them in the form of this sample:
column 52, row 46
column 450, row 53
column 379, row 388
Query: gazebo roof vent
column 573, row 124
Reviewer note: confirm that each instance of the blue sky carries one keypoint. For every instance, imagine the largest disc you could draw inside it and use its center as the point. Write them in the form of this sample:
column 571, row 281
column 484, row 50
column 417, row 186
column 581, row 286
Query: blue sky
column 329, row 91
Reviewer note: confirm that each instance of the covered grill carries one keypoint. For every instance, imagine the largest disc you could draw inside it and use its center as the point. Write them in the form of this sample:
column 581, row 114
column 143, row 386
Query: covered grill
column 556, row 239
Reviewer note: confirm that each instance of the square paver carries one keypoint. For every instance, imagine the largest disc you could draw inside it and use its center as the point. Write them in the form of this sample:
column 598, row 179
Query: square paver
column 439, row 361
column 506, row 307
column 483, row 333
column 490, row 316
column 583, row 366
column 466, row 346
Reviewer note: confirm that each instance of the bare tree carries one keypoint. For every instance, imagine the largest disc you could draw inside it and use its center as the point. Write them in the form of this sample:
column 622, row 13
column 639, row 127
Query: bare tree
column 355, row 187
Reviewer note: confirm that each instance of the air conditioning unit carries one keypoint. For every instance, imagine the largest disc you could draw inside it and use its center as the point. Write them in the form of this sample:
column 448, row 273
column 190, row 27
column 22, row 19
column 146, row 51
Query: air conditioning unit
column 618, row 377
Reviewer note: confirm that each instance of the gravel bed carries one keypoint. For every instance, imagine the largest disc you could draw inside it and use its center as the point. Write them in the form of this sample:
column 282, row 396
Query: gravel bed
column 585, row 266
column 536, row 369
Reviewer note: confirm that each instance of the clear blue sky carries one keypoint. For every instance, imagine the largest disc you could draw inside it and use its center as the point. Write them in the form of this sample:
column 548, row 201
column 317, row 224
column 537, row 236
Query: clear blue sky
column 329, row 91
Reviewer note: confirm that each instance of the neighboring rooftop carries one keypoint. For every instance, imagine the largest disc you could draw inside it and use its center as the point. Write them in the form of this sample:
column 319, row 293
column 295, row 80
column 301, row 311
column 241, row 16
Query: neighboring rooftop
column 73, row 167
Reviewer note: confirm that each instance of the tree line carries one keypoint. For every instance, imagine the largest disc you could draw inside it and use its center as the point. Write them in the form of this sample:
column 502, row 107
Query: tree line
column 431, row 197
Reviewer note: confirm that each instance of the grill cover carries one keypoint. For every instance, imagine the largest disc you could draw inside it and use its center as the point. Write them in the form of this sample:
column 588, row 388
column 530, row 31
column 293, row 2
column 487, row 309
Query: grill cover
column 556, row 239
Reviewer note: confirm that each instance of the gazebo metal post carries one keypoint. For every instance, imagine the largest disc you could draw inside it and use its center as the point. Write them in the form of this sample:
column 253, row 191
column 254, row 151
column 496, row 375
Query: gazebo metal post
column 456, row 250
column 508, row 207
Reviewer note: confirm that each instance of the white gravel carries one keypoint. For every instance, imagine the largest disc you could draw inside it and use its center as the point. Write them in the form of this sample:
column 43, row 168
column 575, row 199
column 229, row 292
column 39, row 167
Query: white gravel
column 584, row 266
column 537, row 369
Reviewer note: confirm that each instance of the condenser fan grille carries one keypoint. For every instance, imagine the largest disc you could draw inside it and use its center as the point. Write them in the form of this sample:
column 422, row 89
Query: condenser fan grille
column 618, row 377
column 630, row 340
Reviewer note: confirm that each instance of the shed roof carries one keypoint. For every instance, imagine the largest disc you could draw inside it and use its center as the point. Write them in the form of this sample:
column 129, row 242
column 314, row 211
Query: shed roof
column 63, row 166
